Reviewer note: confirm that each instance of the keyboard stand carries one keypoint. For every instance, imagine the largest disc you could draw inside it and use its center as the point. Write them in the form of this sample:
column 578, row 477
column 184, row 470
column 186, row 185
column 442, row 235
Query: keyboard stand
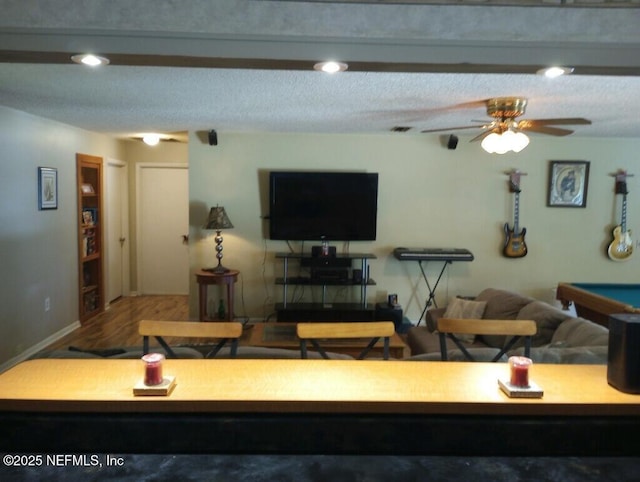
column 432, row 291
column 447, row 256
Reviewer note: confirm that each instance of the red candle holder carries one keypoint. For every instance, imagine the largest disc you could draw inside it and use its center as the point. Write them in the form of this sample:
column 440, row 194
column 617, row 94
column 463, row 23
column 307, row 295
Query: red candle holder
column 519, row 366
column 153, row 368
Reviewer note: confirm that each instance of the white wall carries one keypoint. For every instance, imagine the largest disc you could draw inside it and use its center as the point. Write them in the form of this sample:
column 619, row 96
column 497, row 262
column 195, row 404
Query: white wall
column 428, row 197
column 38, row 249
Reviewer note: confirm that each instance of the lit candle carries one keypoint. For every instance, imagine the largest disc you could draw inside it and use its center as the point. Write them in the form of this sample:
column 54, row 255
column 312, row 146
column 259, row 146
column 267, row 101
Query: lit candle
column 153, row 368
column 519, row 366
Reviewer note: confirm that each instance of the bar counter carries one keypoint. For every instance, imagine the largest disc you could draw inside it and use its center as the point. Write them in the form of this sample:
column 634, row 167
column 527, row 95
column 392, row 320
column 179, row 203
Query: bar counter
column 315, row 406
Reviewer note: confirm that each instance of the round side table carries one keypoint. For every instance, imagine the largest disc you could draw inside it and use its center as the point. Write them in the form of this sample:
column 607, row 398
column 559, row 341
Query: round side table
column 206, row 278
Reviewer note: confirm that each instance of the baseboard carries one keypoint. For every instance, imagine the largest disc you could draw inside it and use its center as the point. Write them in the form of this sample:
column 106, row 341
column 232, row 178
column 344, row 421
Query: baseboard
column 39, row 346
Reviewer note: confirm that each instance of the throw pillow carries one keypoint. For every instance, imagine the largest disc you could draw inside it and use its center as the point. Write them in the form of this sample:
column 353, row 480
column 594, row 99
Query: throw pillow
column 465, row 309
column 501, row 305
column 547, row 319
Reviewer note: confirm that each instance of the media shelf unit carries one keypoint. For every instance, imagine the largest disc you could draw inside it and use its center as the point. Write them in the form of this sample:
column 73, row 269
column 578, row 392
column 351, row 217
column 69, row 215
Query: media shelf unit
column 90, row 218
column 326, row 271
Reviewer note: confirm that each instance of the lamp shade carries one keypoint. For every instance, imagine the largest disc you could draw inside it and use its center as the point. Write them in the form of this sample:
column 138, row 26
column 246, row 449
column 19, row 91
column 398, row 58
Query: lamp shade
column 505, row 142
column 218, row 219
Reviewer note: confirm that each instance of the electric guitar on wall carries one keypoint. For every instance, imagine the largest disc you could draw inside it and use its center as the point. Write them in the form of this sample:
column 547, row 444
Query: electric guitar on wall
column 514, row 245
column 621, row 248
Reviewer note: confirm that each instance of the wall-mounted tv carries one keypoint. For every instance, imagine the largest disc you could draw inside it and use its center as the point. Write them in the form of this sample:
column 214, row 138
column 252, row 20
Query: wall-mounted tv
column 335, row 206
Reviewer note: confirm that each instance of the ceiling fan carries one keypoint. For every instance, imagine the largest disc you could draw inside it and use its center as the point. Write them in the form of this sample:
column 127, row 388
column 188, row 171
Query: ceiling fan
column 505, row 111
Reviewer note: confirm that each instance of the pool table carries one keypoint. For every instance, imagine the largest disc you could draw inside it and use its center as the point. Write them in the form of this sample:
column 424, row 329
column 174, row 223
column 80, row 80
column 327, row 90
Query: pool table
column 596, row 301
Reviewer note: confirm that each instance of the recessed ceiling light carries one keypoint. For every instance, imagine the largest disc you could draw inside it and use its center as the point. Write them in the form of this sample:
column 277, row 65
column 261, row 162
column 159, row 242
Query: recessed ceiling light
column 553, row 72
column 331, row 67
column 89, row 59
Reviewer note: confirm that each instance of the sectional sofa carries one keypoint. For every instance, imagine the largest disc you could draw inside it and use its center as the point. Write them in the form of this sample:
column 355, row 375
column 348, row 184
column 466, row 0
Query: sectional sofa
column 561, row 337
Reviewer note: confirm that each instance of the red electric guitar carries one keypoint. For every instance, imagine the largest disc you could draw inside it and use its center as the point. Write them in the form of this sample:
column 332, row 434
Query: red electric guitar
column 621, row 248
column 514, row 245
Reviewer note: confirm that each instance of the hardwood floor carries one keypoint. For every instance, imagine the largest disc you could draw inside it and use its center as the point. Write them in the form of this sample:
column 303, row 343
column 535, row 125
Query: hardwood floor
column 118, row 326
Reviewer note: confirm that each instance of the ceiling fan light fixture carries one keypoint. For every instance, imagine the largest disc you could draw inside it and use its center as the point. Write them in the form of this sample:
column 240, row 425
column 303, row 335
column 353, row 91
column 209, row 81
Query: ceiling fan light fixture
column 492, row 143
column 330, row 67
column 519, row 141
column 509, row 140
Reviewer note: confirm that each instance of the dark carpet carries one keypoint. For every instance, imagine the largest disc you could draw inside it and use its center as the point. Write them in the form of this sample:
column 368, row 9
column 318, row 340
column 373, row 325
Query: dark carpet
column 325, row 468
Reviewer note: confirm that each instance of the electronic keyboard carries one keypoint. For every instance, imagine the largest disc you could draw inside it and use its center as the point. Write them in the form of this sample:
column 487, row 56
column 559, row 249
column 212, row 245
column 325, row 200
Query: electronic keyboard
column 433, row 254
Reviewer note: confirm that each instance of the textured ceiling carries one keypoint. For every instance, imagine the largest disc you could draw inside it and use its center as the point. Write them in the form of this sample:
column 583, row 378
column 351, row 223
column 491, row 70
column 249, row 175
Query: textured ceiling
column 133, row 99
column 248, row 68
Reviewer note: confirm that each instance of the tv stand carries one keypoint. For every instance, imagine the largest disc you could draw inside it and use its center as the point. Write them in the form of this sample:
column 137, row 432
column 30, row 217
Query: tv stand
column 326, row 271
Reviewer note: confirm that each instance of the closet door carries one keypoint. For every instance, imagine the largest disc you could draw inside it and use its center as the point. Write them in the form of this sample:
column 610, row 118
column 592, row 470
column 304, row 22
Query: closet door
column 117, row 230
column 163, row 224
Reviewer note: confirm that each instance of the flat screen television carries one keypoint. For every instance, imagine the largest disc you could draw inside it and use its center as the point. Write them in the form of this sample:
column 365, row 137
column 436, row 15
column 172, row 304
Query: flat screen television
column 332, row 206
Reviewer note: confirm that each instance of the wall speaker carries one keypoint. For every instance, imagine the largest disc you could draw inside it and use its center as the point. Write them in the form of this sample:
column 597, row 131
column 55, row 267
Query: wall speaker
column 623, row 358
column 213, row 138
column 452, row 143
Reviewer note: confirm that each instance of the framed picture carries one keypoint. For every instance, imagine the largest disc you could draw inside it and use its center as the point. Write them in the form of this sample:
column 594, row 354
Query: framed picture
column 47, row 188
column 87, row 188
column 568, row 183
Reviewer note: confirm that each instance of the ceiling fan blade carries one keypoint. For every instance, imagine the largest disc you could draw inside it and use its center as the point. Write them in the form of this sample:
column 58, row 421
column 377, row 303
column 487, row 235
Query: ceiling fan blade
column 552, row 131
column 479, row 137
column 561, row 121
column 452, row 128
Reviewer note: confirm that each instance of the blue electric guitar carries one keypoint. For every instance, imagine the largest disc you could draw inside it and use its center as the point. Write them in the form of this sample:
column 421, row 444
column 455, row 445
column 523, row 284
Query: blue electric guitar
column 621, row 248
column 514, row 245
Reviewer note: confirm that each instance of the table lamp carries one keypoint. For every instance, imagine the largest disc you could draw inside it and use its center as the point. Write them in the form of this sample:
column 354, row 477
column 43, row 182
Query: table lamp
column 218, row 220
